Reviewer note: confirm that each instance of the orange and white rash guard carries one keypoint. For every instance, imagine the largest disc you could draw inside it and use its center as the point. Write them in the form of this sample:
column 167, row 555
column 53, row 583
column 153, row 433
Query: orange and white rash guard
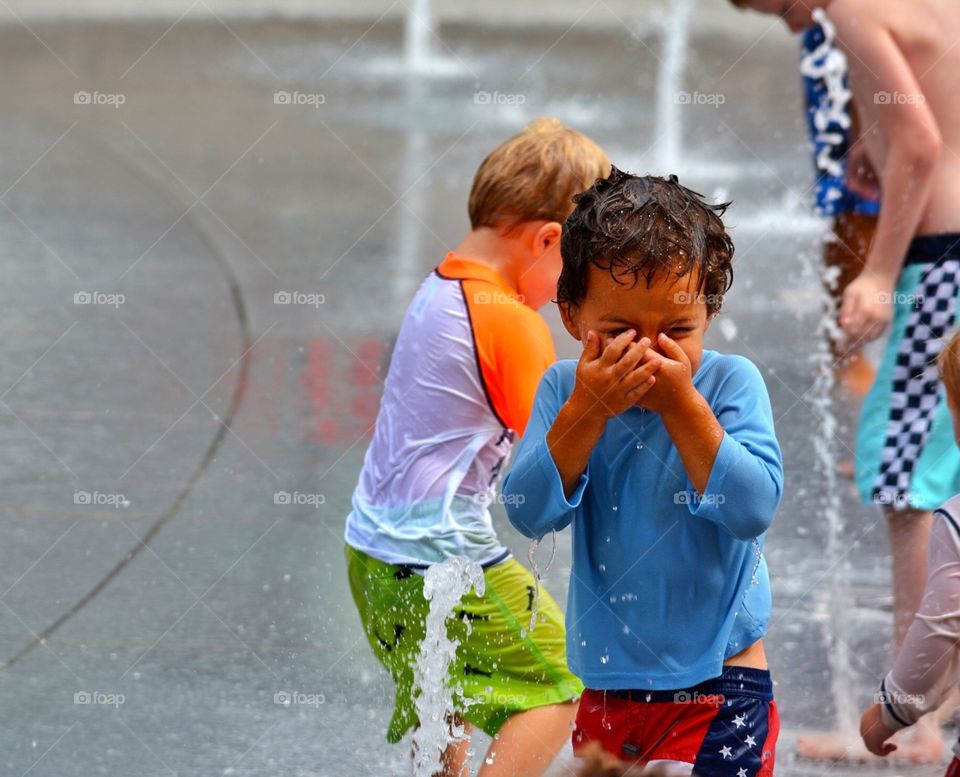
column 460, row 387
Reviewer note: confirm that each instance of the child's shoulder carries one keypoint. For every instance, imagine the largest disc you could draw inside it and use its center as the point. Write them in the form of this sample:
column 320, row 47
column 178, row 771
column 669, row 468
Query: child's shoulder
column 858, row 17
column 719, row 369
column 837, row 9
column 561, row 375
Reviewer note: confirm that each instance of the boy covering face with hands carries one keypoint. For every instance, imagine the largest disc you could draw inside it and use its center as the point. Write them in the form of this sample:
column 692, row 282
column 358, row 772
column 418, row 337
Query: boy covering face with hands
column 662, row 457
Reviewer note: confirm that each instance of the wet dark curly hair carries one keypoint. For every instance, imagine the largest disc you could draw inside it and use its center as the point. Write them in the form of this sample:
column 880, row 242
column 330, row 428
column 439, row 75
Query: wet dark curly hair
column 644, row 225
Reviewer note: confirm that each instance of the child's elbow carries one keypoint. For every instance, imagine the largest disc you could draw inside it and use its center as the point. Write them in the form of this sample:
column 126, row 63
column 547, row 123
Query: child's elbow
column 524, row 520
column 927, row 153
column 518, row 517
column 751, row 525
column 757, row 515
column 920, row 152
column 518, row 512
column 526, row 528
column 527, row 518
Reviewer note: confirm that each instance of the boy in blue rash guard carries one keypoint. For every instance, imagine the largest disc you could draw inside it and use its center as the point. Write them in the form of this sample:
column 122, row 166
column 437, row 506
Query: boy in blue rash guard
column 662, row 458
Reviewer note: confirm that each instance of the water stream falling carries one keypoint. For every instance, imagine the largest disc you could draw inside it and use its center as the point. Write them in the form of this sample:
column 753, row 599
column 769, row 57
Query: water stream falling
column 839, row 602
column 673, row 63
column 417, row 32
column 444, row 585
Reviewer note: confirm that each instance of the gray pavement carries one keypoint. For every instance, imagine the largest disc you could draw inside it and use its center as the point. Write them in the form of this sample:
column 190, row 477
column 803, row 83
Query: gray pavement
column 180, row 596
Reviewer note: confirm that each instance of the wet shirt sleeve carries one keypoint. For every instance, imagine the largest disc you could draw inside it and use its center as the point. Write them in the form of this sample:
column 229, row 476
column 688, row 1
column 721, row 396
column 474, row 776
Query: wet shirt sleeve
column 533, row 491
column 746, row 483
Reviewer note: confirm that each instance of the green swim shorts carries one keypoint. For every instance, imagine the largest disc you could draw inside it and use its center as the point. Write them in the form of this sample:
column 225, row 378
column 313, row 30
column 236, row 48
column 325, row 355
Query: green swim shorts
column 502, row 668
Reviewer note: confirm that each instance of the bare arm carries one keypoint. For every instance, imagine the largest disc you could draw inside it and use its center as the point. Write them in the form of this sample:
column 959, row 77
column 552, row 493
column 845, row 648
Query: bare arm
column 882, row 79
column 697, row 434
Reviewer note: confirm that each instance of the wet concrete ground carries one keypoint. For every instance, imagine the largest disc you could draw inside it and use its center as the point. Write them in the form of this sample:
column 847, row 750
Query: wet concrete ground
column 182, row 595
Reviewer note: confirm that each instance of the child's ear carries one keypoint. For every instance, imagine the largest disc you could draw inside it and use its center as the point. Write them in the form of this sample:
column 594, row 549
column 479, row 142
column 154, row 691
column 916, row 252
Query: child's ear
column 570, row 315
column 547, row 236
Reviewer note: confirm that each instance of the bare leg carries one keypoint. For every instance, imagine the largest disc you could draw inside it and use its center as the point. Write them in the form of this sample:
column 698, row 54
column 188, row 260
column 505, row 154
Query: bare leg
column 456, row 755
column 529, row 741
column 909, row 541
column 454, row 758
column 855, row 373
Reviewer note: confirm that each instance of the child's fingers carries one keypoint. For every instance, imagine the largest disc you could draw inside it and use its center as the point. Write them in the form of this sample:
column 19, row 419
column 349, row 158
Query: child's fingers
column 636, row 393
column 849, row 310
column 633, row 355
column 671, row 348
column 641, row 379
column 591, row 347
column 616, row 347
column 653, row 354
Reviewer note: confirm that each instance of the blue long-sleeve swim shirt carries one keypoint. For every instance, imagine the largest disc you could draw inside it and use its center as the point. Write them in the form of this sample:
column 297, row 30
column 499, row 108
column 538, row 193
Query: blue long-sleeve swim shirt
column 666, row 582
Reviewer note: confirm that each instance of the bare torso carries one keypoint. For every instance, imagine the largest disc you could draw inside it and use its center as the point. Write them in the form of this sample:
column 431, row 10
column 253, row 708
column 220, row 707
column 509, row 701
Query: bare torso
column 928, row 34
column 753, row 655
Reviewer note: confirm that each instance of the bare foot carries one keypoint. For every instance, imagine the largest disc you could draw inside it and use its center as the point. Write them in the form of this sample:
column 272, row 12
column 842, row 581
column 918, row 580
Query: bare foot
column 917, row 745
column 835, row 747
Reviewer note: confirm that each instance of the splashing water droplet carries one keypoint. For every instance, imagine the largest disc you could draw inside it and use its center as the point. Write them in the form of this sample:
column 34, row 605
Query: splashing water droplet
column 538, row 574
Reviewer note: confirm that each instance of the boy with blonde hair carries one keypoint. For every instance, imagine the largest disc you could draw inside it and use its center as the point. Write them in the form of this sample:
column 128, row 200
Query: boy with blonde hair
column 462, row 378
